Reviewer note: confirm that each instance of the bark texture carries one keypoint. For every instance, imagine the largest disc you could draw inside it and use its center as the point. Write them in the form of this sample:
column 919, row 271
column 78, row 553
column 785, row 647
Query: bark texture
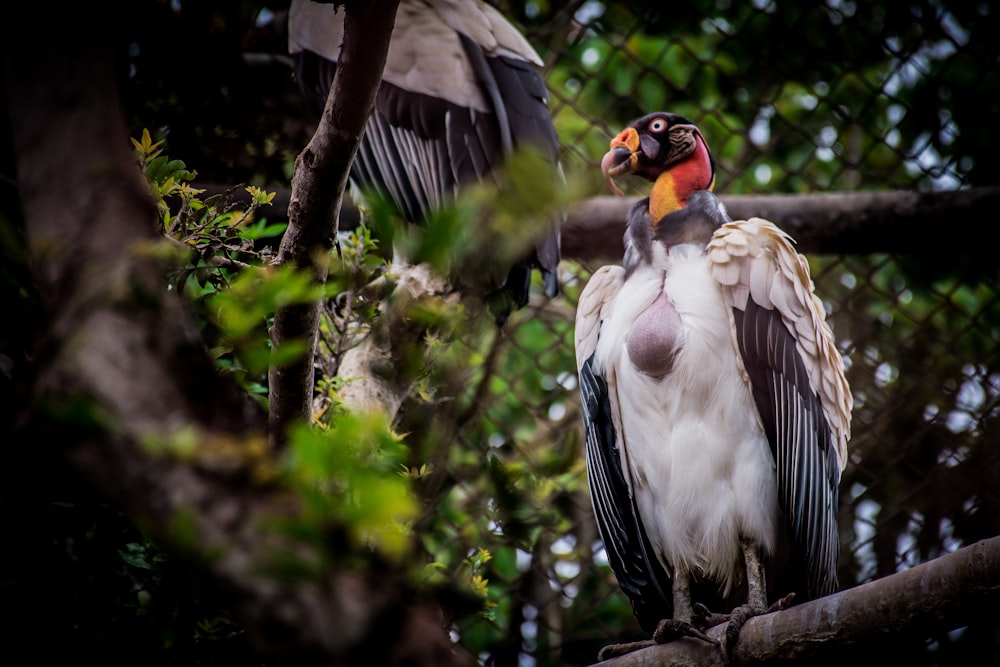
column 379, row 371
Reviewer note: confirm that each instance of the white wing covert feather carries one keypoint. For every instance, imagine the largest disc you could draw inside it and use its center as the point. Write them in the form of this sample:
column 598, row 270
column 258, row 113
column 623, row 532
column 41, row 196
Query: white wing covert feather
column 754, row 259
column 593, row 306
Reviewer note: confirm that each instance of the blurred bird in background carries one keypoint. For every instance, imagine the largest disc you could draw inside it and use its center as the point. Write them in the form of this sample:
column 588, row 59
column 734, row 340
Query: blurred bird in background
column 716, row 410
column 461, row 91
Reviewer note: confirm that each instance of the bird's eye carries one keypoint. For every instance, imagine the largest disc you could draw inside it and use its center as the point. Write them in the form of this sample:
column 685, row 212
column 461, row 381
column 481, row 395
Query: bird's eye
column 657, row 125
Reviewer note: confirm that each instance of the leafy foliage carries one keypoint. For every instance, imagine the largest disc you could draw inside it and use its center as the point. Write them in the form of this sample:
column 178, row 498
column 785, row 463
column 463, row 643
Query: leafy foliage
column 351, row 475
column 355, row 474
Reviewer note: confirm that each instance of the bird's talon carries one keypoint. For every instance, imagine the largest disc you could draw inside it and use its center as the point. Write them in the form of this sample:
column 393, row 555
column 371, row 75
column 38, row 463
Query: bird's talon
column 670, row 629
column 783, row 603
column 700, row 615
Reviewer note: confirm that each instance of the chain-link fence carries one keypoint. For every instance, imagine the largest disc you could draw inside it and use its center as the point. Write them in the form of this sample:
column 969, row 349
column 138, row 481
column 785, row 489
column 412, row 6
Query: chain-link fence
column 836, row 97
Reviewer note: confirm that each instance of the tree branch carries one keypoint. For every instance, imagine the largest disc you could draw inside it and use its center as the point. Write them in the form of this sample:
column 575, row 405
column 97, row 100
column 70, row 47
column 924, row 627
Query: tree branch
column 321, row 173
column 380, row 370
column 855, row 223
column 940, row 595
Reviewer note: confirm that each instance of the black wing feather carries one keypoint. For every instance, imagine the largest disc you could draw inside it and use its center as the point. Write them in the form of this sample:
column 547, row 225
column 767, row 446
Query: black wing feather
column 520, row 102
column 801, row 443
column 640, row 574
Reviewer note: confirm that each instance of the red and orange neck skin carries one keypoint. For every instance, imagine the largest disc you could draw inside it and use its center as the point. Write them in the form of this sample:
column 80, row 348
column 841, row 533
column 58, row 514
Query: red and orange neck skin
column 673, row 187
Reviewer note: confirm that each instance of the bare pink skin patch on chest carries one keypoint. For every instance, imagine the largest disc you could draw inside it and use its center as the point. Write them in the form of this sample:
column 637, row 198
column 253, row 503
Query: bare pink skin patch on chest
column 654, row 338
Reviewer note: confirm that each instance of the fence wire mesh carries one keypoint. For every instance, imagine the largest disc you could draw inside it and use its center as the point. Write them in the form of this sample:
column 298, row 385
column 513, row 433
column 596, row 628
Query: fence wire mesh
column 793, row 98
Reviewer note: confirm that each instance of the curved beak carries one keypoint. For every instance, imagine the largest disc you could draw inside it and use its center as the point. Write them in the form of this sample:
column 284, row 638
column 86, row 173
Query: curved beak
column 616, row 161
column 621, row 158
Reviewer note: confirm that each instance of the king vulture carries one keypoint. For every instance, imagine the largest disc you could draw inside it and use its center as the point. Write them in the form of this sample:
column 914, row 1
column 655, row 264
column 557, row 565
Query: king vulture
column 715, row 407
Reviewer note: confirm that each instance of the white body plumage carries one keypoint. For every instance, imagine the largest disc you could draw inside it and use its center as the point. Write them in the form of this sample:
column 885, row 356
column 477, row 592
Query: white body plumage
column 698, row 459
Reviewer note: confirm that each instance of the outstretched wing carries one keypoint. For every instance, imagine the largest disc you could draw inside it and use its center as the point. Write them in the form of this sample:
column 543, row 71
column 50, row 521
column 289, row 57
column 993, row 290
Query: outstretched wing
column 640, row 574
column 796, row 375
column 460, row 91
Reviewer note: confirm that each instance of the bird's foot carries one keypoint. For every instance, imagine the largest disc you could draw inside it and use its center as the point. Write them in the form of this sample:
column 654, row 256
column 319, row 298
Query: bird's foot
column 744, row 613
column 737, row 618
column 704, row 619
column 670, row 629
